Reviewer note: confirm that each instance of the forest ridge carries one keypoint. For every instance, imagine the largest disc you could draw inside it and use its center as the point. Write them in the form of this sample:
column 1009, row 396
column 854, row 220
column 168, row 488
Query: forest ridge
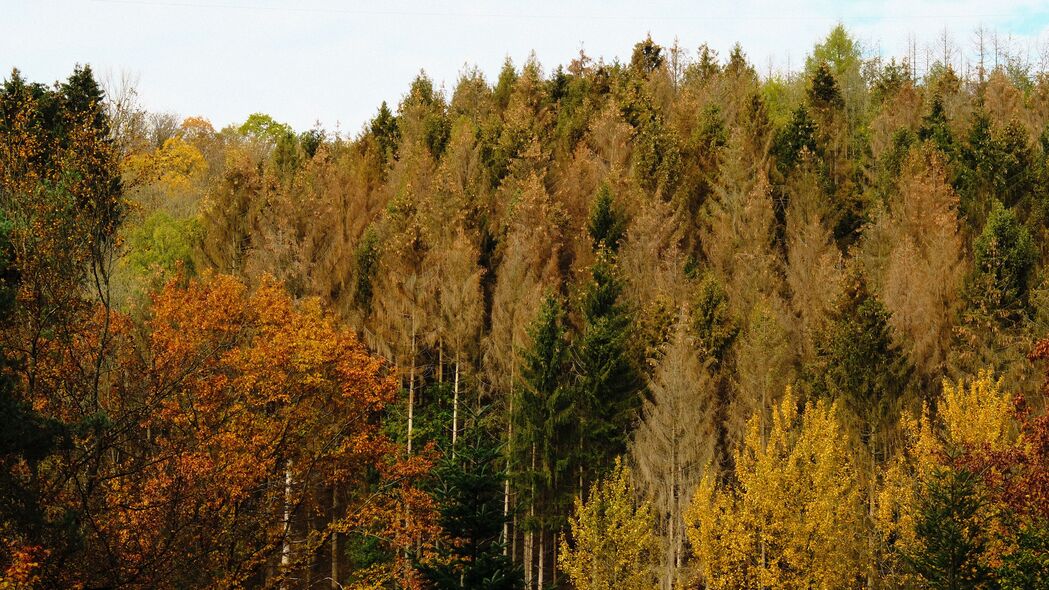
column 663, row 324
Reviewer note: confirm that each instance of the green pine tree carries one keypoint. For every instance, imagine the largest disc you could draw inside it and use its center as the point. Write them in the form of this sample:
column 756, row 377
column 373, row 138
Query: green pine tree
column 861, row 365
column 608, row 382
column 469, row 493
column 951, row 534
column 606, row 226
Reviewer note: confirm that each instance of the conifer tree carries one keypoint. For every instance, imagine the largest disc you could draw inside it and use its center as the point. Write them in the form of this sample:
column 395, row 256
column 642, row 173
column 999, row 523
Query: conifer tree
column 469, row 493
column 545, row 437
column 606, row 225
column 862, row 365
column 675, row 443
column 608, row 382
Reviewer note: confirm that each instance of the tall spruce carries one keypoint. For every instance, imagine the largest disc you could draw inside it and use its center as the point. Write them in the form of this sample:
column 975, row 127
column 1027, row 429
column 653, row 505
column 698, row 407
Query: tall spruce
column 608, row 382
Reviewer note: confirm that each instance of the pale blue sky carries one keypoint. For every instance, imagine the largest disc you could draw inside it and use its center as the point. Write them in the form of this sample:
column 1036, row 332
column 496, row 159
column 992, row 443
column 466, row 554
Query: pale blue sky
column 334, row 62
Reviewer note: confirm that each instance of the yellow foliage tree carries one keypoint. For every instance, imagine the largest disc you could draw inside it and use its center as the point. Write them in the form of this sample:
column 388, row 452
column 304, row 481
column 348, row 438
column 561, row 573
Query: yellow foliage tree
column 173, row 166
column 979, row 416
column 795, row 516
column 613, row 545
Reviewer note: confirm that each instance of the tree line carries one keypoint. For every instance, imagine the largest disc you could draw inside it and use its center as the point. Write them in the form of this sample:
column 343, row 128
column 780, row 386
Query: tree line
column 657, row 323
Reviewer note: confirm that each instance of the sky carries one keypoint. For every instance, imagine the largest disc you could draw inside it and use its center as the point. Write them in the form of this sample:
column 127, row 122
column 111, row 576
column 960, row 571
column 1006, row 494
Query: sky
column 323, row 61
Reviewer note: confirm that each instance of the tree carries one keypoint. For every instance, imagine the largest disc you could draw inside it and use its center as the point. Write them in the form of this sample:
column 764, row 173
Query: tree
column 951, row 533
column 606, row 226
column 264, row 127
column 607, row 382
column 611, row 544
column 862, row 366
column 792, row 515
column 919, row 259
column 546, row 434
column 1004, row 257
column 469, row 496
column 823, row 94
column 259, row 411
column 674, row 444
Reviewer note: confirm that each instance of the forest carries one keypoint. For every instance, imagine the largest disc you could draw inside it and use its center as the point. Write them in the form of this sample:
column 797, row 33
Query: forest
column 650, row 324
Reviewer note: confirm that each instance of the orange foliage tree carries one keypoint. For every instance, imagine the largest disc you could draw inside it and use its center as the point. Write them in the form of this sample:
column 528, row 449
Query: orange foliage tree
column 252, row 438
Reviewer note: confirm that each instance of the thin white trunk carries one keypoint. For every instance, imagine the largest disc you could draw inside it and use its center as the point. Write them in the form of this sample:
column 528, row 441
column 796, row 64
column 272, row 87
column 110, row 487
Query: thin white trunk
column 285, row 550
column 455, row 404
column 411, row 388
column 506, row 479
column 542, row 561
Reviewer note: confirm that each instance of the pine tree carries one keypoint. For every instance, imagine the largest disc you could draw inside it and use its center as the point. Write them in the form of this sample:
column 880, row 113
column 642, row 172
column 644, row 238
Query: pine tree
column 951, row 533
column 862, row 365
column 608, row 383
column 823, row 92
column 469, row 493
column 1004, row 257
column 675, row 443
column 546, row 435
column 936, row 128
column 606, row 225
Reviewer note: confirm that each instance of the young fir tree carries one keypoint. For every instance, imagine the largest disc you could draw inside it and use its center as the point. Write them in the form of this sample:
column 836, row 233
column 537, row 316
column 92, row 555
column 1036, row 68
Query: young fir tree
column 608, row 383
column 607, row 226
column 997, row 309
column 469, row 493
column 951, row 533
column 862, row 366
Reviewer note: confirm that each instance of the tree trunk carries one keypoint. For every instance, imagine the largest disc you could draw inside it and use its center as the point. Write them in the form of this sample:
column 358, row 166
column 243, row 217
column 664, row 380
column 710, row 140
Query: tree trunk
column 506, row 478
column 455, row 404
column 411, row 388
column 334, row 539
column 542, row 561
column 285, row 550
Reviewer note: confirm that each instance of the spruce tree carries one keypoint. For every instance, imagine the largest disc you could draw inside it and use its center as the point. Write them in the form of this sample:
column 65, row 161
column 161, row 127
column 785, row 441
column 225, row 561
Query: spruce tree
column 469, row 493
column 606, row 225
column 546, row 432
column 608, row 383
column 950, row 533
column 1004, row 256
column 937, row 129
column 862, row 366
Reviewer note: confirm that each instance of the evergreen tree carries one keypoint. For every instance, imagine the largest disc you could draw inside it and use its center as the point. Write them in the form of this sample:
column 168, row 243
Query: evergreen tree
column 1004, row 257
column 823, row 93
column 469, row 493
column 386, row 133
column 793, row 140
column 862, row 366
column 951, row 534
column 606, row 226
column 545, row 436
column 608, row 383
column 937, row 129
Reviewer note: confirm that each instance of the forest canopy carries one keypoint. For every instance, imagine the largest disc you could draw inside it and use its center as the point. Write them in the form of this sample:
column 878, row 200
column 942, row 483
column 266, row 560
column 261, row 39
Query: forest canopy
column 665, row 322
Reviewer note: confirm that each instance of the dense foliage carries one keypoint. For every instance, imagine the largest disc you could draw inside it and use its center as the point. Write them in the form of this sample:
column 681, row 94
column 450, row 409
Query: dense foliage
column 665, row 323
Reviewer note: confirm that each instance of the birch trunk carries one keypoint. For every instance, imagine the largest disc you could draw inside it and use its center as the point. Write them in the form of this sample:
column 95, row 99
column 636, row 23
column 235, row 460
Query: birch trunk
column 455, row 404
